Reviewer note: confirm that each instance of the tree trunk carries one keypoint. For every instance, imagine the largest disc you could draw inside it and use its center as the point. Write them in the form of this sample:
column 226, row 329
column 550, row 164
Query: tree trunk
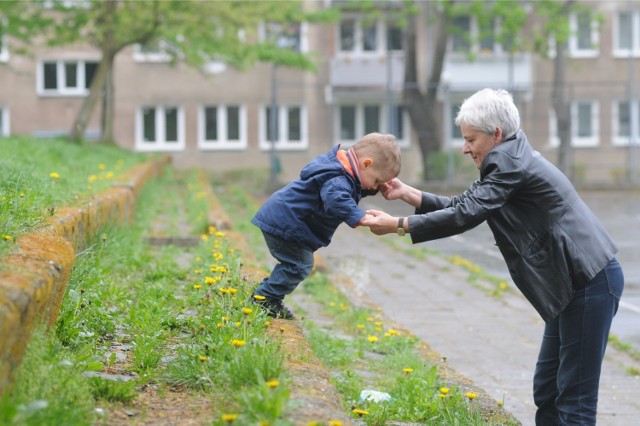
column 422, row 108
column 108, row 106
column 76, row 134
column 562, row 108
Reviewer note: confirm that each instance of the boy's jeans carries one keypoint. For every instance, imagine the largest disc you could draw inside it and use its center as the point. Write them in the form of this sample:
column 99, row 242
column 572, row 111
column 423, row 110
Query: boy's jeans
column 565, row 385
column 295, row 264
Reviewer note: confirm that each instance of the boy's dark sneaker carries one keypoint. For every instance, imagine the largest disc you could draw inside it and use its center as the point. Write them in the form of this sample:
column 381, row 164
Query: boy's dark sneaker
column 273, row 307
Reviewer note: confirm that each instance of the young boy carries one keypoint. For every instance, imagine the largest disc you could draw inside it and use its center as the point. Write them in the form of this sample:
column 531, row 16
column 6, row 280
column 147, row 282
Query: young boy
column 303, row 216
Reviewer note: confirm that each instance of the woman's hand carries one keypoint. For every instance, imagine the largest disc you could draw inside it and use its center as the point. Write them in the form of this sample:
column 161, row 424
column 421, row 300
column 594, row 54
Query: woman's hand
column 392, row 190
column 379, row 222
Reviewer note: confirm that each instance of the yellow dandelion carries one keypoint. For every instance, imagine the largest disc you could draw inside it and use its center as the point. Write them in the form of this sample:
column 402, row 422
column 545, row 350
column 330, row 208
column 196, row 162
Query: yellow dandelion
column 378, row 329
column 202, row 358
column 372, row 339
column 369, row 319
column 335, row 423
column 219, row 234
column 237, row 343
column 471, row 395
column 443, row 395
column 209, row 280
column 407, row 370
column 229, row 417
column 393, row 332
column 212, row 229
column 197, row 286
column 54, row 175
column 444, row 390
column 378, row 323
column 102, row 166
column 224, row 290
column 233, row 290
column 219, row 325
column 225, row 318
column 204, row 237
column 282, row 329
column 313, row 423
column 360, row 327
column 197, row 271
column 92, row 178
column 247, row 311
column 500, row 404
column 238, row 324
column 7, row 237
column 273, row 383
column 259, row 297
column 267, row 323
column 359, row 412
column 109, row 175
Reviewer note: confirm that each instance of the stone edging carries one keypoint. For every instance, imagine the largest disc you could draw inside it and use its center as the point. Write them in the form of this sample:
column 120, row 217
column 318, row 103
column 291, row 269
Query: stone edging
column 33, row 279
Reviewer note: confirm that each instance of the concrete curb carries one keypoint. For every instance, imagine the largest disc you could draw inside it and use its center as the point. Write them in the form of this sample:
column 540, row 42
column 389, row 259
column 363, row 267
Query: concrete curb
column 34, row 277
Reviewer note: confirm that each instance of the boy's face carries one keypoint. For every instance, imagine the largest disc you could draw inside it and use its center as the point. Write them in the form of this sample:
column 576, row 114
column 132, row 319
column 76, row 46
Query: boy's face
column 371, row 177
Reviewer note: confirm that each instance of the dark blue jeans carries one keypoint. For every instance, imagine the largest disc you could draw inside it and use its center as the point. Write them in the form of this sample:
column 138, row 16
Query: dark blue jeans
column 565, row 384
column 295, row 264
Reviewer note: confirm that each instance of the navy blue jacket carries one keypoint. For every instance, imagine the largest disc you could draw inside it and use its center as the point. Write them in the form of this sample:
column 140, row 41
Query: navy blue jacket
column 551, row 241
column 309, row 210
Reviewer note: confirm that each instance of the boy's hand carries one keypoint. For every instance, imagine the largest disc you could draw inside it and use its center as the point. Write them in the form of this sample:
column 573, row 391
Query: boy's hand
column 381, row 223
column 366, row 220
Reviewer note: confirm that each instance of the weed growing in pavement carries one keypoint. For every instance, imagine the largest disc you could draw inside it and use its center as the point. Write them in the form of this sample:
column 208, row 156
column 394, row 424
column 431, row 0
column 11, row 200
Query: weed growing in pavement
column 372, row 356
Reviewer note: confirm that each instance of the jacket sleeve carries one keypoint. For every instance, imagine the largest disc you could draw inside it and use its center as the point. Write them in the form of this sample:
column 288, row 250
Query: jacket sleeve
column 338, row 201
column 440, row 217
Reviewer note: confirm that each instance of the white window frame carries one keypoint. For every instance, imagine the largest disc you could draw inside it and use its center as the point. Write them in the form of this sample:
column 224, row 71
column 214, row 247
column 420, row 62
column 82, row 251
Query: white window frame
column 5, row 128
column 574, row 50
column 577, row 142
column 358, row 49
column 303, row 34
column 283, row 144
column 223, row 142
column 619, row 52
column 156, row 56
column 474, row 28
column 359, row 130
column 4, row 46
column 634, row 123
column 160, row 145
column 61, row 90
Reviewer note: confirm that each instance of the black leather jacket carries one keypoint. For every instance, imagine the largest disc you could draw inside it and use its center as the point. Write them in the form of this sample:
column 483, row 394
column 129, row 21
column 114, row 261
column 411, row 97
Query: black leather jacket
column 551, row 241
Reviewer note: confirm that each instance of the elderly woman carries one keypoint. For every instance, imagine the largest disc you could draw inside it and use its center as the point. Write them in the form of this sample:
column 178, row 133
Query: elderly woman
column 557, row 251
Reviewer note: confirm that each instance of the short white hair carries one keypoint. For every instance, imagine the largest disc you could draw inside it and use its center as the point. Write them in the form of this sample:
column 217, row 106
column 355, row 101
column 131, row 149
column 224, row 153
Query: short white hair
column 488, row 109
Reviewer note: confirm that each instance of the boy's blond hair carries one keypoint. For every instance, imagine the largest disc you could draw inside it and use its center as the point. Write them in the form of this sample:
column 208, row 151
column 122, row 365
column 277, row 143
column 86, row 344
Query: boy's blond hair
column 383, row 148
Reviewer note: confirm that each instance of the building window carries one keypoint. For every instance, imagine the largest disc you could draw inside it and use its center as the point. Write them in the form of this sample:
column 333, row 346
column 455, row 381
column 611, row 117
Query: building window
column 4, row 121
column 626, row 122
column 290, row 130
column 160, row 128
column 626, row 34
column 357, row 120
column 65, row 78
column 157, row 51
column 585, row 125
column 362, row 37
column 583, row 41
column 222, row 127
column 4, row 49
column 472, row 36
column 290, row 36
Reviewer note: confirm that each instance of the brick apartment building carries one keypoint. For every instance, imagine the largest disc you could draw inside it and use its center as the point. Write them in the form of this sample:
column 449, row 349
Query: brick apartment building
column 219, row 118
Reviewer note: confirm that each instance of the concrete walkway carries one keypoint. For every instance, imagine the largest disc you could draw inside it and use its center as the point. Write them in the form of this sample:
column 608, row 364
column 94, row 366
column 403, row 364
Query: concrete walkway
column 492, row 341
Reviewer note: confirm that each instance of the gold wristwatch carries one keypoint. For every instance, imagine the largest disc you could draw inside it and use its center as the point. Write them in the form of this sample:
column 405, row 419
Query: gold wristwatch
column 400, row 231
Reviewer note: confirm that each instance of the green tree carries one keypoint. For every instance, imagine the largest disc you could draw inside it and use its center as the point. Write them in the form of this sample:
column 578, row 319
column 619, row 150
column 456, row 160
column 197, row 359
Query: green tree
column 191, row 31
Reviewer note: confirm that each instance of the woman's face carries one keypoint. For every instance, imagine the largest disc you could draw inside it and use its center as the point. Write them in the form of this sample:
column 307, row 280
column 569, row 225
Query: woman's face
column 477, row 143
